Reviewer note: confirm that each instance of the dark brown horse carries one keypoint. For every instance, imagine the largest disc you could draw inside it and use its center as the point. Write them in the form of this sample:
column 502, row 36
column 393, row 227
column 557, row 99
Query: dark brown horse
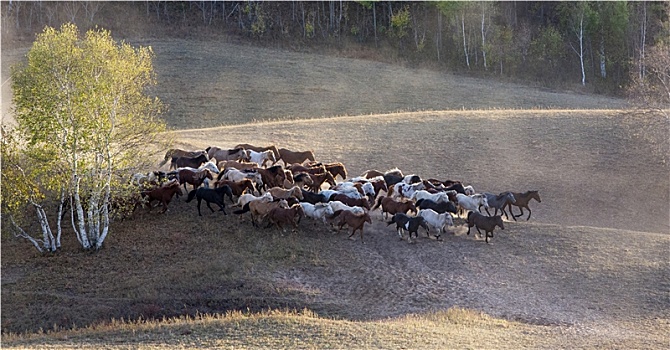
column 238, row 188
column 487, row 223
column 176, row 153
column 522, row 200
column 336, row 169
column 193, row 177
column 162, row 194
column 191, row 162
column 319, row 179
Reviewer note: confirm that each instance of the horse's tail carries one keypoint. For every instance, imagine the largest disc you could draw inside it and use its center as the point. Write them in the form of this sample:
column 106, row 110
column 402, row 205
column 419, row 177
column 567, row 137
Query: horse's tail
column 391, row 222
column 469, row 214
column 335, row 214
column 191, row 195
column 244, row 209
column 167, row 156
column 379, row 202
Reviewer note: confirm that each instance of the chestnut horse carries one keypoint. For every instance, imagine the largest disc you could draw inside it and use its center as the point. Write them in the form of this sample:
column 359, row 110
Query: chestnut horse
column 279, row 216
column 193, row 177
column 237, row 187
column 522, row 200
column 392, row 206
column 319, row 179
column 163, row 194
column 290, row 157
column 355, row 221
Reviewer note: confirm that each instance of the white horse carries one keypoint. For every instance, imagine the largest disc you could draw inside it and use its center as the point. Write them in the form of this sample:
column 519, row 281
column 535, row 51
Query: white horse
column 402, row 189
column 337, row 205
column 248, row 197
column 235, row 175
column 328, row 193
column 261, row 158
column 472, row 202
column 318, row 211
column 435, row 197
column 436, row 220
column 469, row 190
column 211, row 165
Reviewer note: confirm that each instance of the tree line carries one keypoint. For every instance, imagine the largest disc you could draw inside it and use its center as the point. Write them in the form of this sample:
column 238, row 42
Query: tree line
column 595, row 44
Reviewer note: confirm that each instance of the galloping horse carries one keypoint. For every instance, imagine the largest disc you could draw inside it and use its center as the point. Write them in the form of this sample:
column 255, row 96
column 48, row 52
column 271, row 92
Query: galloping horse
column 522, row 200
column 226, row 154
column 191, row 162
column 163, row 194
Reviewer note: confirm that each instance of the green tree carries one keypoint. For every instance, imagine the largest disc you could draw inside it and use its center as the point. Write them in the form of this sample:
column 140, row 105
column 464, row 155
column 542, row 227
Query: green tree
column 84, row 121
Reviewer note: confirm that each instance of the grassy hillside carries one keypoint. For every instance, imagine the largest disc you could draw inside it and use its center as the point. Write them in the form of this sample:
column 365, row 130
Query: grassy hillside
column 589, row 270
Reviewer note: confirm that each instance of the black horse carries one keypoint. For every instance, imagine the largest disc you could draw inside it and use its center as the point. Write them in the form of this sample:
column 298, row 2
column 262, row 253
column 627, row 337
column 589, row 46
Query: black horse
column 410, row 223
column 210, row 195
column 441, row 207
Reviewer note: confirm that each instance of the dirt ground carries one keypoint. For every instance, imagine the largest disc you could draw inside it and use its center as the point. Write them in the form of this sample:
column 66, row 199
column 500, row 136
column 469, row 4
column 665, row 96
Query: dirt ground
column 593, row 258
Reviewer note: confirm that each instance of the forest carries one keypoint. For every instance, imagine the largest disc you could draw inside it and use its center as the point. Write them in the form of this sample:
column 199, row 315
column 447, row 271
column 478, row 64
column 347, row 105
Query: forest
column 585, row 46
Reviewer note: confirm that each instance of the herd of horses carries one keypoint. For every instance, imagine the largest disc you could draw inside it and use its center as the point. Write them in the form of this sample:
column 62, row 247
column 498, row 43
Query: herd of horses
column 253, row 179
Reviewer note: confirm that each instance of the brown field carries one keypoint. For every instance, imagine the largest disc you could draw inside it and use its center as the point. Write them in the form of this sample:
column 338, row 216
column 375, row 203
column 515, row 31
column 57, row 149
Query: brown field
column 589, row 270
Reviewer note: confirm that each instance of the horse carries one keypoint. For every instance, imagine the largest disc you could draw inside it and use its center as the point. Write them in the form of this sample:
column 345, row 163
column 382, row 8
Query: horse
column 211, row 166
column 317, row 168
column 411, row 179
column 410, row 223
column 193, row 177
column 436, row 197
column 261, row 158
column 211, row 195
column 302, row 180
column 290, row 157
column 436, row 220
column 248, row 197
column 148, row 181
column 498, row 202
column 272, row 148
column 318, row 211
column 235, row 175
column 259, row 209
column 319, row 179
column 163, row 194
column 360, row 202
column 469, row 190
column 191, row 162
column 355, row 221
column 337, row 205
column 402, row 189
column 336, row 169
column 237, row 187
column 176, row 153
column 273, row 176
column 225, row 164
column 471, row 202
column 278, row 192
column 441, row 207
column 279, row 216
column 488, row 223
column 226, row 154
column 522, row 200
column 391, row 206
column 313, row 198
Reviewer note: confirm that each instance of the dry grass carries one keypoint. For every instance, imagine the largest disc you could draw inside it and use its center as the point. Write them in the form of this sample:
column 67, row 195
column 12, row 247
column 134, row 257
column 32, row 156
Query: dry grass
column 589, row 270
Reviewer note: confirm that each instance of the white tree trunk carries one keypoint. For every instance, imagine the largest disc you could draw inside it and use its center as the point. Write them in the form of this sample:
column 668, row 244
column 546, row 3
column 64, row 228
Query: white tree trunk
column 465, row 46
column 484, row 39
column 22, row 234
column 603, row 68
column 581, row 48
column 643, row 38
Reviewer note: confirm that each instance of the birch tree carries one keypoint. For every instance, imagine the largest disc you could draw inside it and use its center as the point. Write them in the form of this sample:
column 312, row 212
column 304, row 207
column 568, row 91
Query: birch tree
column 575, row 17
column 82, row 107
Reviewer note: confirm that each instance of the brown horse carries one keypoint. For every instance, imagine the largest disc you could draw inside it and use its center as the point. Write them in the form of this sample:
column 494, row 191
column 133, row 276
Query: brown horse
column 336, row 169
column 162, row 194
column 238, row 188
column 226, row 154
column 355, row 221
column 301, row 180
column 261, row 149
column 225, row 164
column 488, row 223
column 392, row 206
column 279, row 216
column 290, row 157
column 176, row 153
column 310, row 169
column 522, row 200
column 359, row 202
column 259, row 209
column 193, row 177
column 278, row 192
column 273, row 176
column 319, row 179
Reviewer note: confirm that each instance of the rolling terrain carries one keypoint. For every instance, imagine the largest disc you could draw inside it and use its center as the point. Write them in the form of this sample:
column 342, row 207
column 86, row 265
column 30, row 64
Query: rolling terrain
column 589, row 269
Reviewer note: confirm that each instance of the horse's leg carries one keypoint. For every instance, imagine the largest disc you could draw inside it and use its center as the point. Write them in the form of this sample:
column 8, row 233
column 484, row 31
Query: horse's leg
column 511, row 212
column 209, row 205
column 528, row 218
column 199, row 201
column 480, row 232
column 487, row 236
column 222, row 207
